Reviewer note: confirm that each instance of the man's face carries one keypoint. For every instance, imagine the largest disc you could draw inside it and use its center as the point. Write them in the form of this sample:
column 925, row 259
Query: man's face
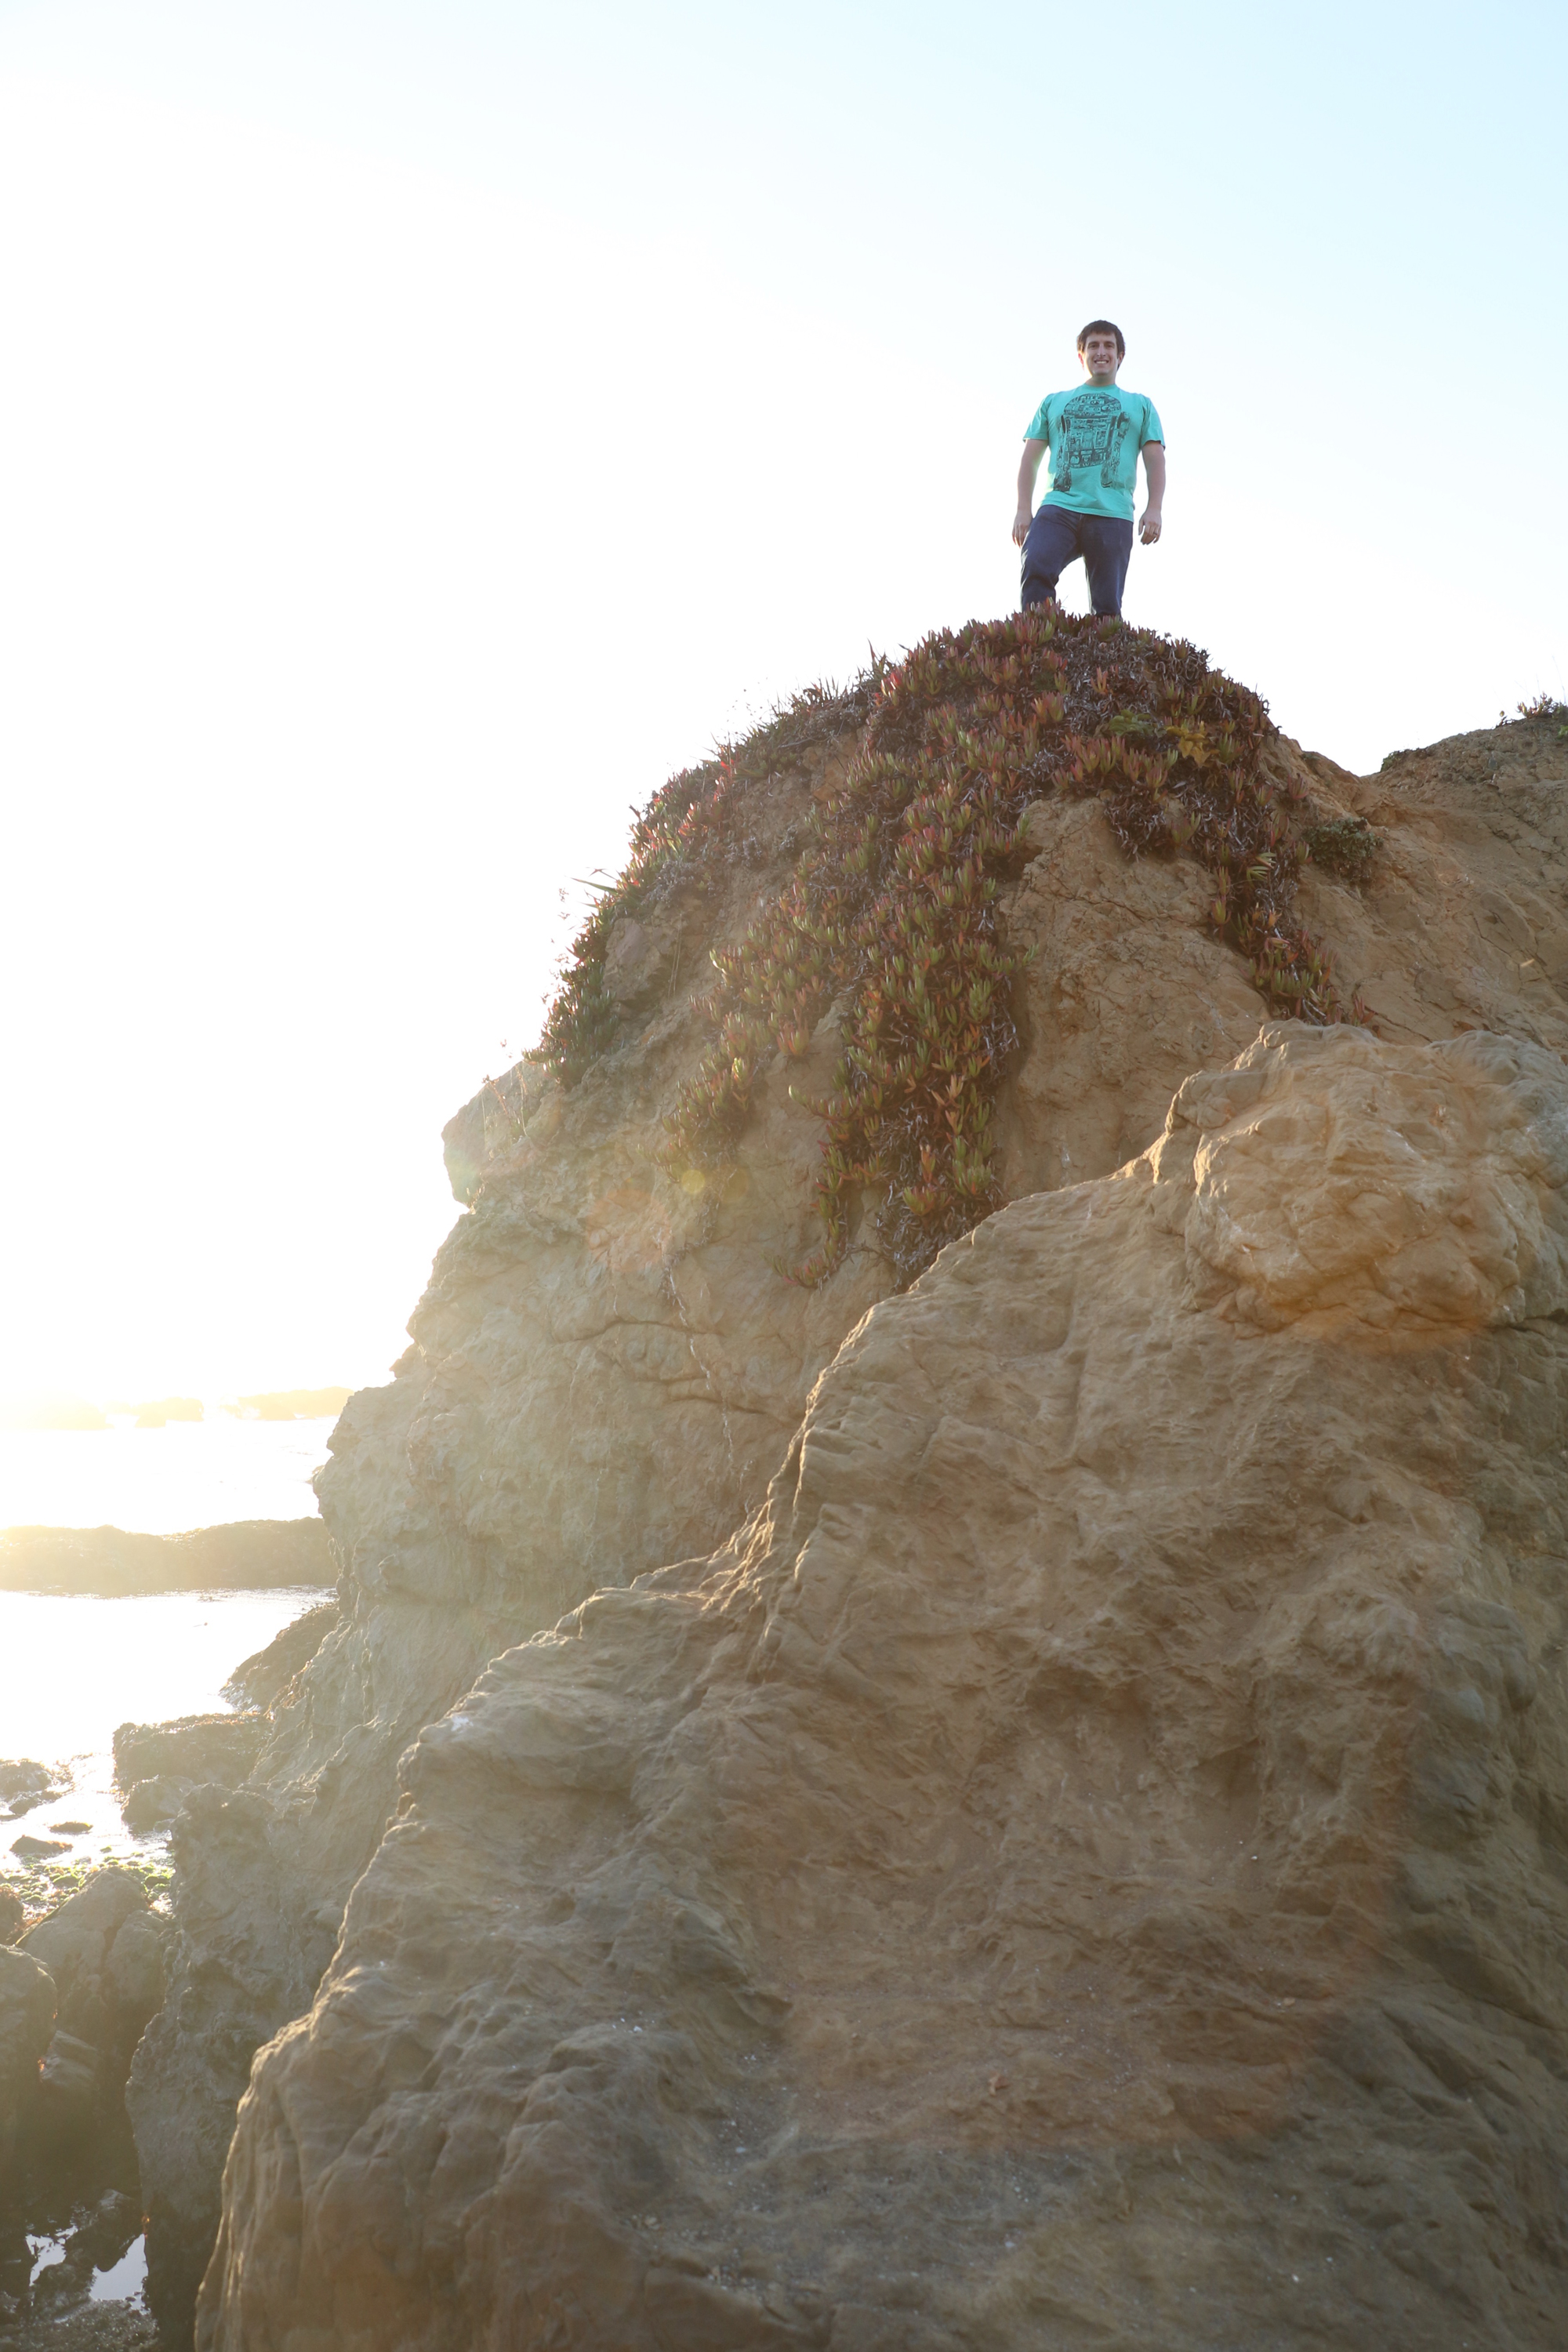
column 1101, row 358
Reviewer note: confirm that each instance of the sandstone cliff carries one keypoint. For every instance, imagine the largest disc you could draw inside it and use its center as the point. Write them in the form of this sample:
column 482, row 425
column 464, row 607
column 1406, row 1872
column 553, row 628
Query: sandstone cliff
column 607, row 1372
column 1083, row 1864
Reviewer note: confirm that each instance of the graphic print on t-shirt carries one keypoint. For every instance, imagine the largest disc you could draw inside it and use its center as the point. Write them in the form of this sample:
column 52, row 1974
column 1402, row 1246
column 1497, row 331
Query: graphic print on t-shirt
column 1093, row 428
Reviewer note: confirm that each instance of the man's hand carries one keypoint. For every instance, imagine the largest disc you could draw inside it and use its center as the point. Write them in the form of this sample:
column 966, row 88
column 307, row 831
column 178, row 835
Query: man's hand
column 1029, row 465
column 1154, row 472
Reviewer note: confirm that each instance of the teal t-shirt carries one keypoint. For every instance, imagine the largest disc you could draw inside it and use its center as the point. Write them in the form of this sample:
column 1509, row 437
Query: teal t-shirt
column 1094, row 437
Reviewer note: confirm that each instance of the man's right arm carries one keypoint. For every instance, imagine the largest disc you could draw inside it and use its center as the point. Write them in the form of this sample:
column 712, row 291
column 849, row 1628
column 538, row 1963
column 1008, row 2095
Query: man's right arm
column 1030, row 466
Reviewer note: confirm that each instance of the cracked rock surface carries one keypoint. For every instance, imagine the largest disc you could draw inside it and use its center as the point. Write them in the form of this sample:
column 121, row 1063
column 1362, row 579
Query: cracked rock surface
column 1083, row 1863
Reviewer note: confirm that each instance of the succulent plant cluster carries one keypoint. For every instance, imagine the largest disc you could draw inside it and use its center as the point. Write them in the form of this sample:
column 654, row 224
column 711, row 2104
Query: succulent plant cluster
column 694, row 823
column 889, row 917
column 1344, row 845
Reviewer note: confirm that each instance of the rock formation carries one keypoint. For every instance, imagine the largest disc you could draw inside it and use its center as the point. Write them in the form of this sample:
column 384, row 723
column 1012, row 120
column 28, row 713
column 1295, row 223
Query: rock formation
column 809, row 1789
column 1084, row 1863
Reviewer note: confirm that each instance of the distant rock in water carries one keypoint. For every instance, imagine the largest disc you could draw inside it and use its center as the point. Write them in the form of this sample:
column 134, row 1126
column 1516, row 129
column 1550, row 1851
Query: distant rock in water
column 159, row 1410
column 291, row 1404
column 248, row 1555
column 54, row 1410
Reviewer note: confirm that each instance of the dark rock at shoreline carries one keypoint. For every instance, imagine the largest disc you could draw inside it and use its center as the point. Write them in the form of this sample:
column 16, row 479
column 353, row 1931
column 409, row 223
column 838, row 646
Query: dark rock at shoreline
column 153, row 1804
column 37, row 1849
column 24, row 1784
column 248, row 1555
column 69, row 2088
column 12, row 1915
column 261, row 1678
column 27, row 2021
column 103, row 1948
column 194, row 1747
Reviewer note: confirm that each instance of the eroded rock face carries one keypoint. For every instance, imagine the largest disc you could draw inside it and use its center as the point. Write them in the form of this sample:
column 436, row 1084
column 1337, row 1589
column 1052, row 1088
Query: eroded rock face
column 1084, row 1863
column 607, row 1369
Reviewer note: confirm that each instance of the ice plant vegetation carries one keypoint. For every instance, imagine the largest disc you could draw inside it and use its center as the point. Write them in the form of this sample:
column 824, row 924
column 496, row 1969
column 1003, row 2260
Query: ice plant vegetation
column 891, row 913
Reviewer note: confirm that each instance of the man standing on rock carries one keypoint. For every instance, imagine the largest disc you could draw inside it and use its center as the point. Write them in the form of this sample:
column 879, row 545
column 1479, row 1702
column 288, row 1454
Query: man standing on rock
column 1094, row 434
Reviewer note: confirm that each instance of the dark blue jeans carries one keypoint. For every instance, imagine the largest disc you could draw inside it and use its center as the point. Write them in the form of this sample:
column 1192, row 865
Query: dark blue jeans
column 1056, row 535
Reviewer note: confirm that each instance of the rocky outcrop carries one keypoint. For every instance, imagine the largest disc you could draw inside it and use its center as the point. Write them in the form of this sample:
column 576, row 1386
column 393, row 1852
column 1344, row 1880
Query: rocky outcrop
column 1086, row 1861
column 608, row 1365
column 251, row 1553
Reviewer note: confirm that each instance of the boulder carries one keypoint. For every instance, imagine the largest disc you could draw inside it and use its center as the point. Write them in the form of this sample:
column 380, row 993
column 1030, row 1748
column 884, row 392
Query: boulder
column 26, row 2022
column 101, row 1948
column 1083, row 1864
column 217, row 1748
column 69, row 2104
column 12, row 1915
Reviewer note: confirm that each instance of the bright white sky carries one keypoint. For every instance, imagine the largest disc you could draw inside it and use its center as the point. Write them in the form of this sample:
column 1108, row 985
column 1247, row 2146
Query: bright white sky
column 424, row 426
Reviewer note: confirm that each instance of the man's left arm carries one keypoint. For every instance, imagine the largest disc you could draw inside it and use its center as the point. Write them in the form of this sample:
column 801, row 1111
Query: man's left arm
column 1154, row 467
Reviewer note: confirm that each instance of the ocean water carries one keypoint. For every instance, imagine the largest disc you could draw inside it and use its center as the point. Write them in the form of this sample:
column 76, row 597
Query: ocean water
column 75, row 1666
column 193, row 1474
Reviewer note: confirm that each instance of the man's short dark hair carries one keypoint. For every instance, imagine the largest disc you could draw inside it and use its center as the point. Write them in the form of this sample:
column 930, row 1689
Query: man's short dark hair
column 1104, row 327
